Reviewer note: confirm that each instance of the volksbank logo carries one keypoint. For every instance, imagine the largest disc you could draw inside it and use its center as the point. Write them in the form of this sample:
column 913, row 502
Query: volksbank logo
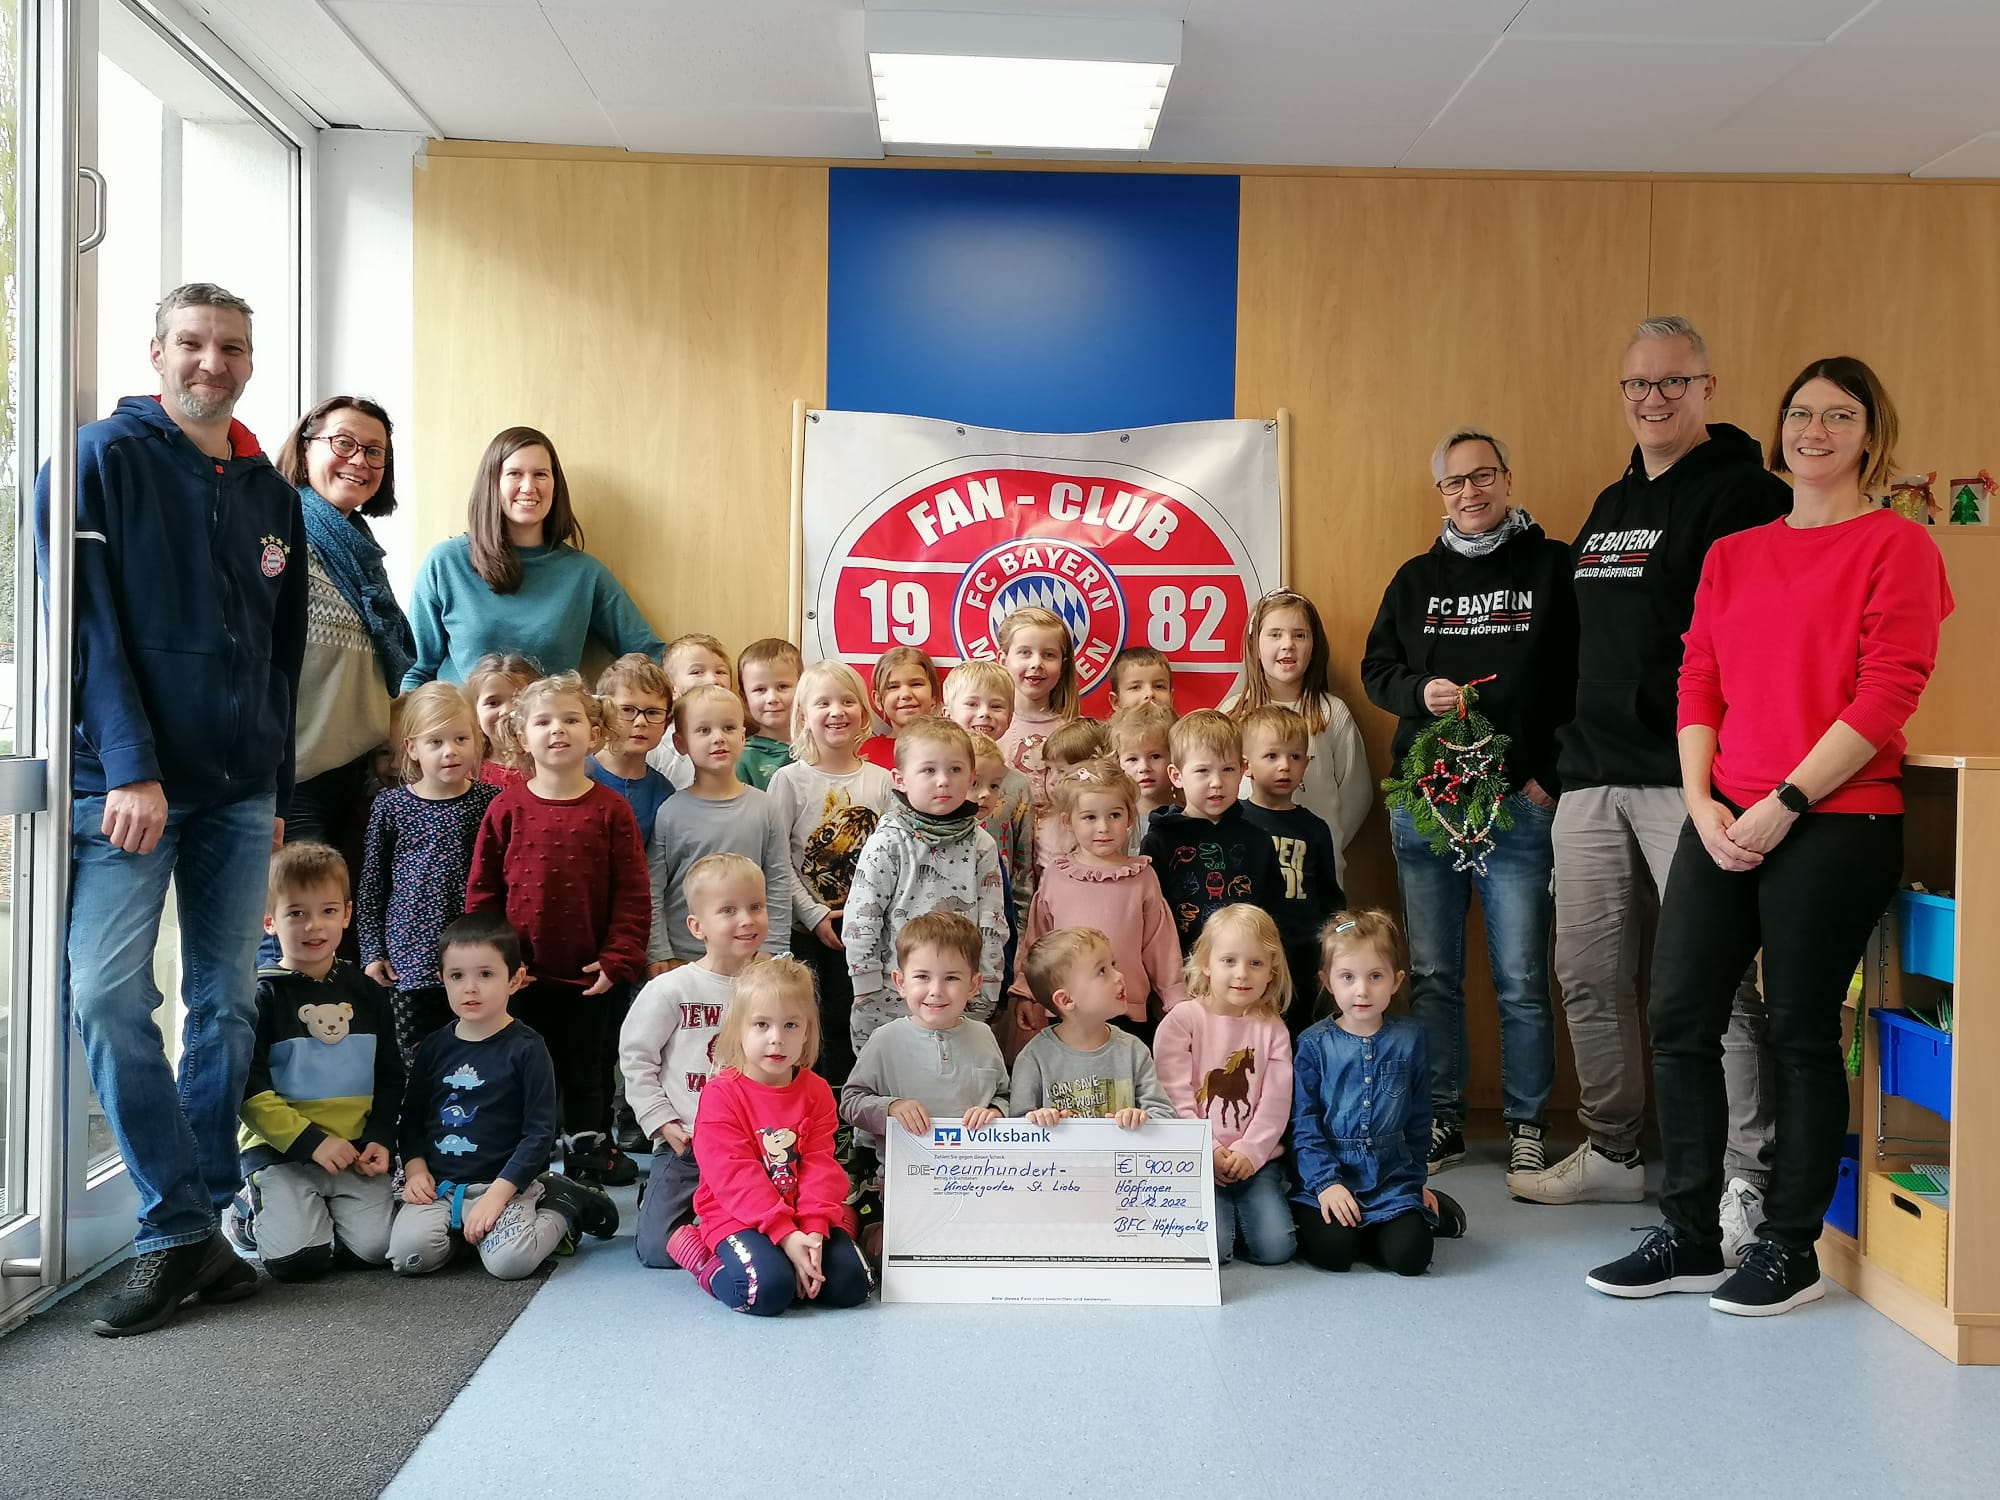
column 992, row 1135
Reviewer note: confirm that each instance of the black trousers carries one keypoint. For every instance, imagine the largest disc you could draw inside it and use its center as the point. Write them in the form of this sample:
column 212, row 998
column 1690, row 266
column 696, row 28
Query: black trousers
column 1810, row 906
column 1402, row 1244
column 836, row 1003
column 1303, row 960
column 573, row 1024
column 418, row 1013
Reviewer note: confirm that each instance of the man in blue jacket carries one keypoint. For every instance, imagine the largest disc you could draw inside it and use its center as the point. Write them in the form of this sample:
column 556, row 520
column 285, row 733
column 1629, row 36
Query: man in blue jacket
column 190, row 628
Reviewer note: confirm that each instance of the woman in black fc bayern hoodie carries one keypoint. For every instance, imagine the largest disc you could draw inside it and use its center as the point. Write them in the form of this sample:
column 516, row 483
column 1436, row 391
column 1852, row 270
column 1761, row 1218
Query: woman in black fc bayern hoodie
column 1491, row 598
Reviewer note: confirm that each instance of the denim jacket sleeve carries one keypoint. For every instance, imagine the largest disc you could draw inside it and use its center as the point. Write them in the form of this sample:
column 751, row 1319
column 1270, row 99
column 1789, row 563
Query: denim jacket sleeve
column 1318, row 1167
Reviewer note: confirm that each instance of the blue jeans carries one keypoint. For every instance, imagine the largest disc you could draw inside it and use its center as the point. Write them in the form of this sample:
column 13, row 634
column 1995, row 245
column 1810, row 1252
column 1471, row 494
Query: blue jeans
column 1255, row 1208
column 757, row 1277
column 1515, row 897
column 177, row 1135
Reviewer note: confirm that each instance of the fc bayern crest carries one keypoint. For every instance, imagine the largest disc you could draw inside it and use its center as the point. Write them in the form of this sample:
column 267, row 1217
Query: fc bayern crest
column 1042, row 572
column 272, row 563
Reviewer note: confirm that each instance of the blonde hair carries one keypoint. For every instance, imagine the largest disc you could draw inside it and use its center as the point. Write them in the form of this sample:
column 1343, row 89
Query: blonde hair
column 1076, row 742
column 929, row 729
column 696, row 697
column 839, row 673
column 1055, row 954
column 770, row 650
column 1315, row 683
column 1255, row 923
column 636, row 673
column 946, row 930
column 1063, row 696
column 986, row 751
column 767, row 979
column 1101, row 776
column 510, row 734
column 1139, row 724
column 717, row 869
column 1362, row 927
column 425, row 710
column 1290, row 726
column 693, row 641
column 1204, row 729
column 973, row 674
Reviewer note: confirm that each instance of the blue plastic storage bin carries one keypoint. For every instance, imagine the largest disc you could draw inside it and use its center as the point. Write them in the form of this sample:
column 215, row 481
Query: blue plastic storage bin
column 1916, row 1061
column 1844, row 1212
column 1928, row 924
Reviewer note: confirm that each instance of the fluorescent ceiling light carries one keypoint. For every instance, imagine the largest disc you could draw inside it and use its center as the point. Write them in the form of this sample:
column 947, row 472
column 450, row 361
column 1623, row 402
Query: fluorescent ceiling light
column 1026, row 83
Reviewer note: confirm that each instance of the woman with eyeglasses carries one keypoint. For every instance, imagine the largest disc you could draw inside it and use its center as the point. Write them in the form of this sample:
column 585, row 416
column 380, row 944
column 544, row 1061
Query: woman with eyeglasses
column 1812, row 640
column 1488, row 603
column 519, row 580
column 358, row 642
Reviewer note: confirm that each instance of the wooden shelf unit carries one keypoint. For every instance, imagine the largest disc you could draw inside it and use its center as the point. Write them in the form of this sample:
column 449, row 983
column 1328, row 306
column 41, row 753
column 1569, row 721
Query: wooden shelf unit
column 1952, row 844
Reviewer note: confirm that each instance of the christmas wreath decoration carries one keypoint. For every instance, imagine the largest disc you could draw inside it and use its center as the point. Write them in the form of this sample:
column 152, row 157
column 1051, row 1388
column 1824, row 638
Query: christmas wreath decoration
column 1454, row 784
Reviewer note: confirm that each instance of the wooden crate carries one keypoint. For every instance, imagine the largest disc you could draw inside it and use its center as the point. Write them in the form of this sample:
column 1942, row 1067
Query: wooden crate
column 1908, row 1236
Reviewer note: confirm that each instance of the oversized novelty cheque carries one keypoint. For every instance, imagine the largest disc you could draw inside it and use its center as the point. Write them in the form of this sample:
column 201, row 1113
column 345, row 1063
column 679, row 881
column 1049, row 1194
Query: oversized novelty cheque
column 1077, row 1212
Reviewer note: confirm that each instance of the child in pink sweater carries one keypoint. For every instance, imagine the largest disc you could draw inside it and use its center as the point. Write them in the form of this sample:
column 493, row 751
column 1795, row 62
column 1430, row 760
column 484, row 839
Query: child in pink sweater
column 1227, row 1058
column 1098, row 885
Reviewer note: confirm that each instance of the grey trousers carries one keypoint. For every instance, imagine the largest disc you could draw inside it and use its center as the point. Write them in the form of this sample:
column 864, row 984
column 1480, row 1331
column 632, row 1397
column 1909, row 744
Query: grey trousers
column 670, row 1185
column 302, row 1211
column 1613, row 847
column 422, row 1239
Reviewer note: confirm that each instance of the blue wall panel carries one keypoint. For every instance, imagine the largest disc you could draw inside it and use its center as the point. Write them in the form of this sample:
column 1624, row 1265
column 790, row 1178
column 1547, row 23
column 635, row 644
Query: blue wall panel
column 1042, row 301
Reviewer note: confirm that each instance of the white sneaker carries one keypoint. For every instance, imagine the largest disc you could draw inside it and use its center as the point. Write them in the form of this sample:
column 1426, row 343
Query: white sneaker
column 1586, row 1175
column 1742, row 1215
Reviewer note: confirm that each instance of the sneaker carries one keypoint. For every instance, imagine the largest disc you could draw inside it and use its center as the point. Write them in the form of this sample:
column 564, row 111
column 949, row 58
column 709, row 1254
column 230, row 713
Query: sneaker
column 1450, row 1217
column 1447, row 1145
column 685, row 1249
column 619, row 1170
column 588, row 1209
column 626, row 1133
column 1663, row 1263
column 1527, row 1148
column 239, row 1228
column 1586, row 1175
column 585, row 1155
column 1742, row 1215
column 1773, row 1279
column 234, row 1284
column 160, row 1280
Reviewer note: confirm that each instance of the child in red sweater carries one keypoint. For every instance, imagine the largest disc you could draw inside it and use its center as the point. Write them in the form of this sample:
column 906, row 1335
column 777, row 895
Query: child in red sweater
column 559, row 855
column 773, row 1226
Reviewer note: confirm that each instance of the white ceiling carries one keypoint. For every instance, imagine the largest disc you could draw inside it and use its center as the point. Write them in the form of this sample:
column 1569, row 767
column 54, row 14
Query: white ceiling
column 1880, row 86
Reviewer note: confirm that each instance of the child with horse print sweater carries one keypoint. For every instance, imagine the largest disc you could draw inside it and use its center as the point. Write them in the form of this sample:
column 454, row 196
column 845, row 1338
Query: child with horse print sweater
column 1227, row 1058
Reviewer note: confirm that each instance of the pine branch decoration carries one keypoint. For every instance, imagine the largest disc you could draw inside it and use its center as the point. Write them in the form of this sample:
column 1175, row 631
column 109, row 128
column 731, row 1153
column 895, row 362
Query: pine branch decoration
column 1453, row 784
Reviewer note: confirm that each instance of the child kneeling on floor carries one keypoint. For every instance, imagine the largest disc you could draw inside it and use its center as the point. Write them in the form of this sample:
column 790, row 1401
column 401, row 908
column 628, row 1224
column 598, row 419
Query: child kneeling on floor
column 481, row 1105
column 772, row 1222
column 1361, row 1113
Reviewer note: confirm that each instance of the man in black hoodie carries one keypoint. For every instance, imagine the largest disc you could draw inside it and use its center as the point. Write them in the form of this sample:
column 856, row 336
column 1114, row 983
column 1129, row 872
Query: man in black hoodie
column 1638, row 560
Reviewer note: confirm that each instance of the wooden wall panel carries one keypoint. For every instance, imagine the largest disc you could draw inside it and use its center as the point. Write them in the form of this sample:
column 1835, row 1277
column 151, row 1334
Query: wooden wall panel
column 657, row 321
column 1382, row 312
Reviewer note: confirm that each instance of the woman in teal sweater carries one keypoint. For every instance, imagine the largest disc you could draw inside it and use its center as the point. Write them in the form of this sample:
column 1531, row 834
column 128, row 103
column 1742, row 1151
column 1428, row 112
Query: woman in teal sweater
column 519, row 580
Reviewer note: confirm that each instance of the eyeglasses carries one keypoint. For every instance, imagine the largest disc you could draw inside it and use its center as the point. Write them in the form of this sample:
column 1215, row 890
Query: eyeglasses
column 1835, row 419
column 1673, row 387
column 637, row 715
column 1452, row 484
column 374, row 455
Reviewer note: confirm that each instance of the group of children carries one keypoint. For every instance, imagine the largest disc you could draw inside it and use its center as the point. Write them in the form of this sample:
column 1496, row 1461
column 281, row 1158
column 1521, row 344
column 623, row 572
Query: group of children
column 778, row 927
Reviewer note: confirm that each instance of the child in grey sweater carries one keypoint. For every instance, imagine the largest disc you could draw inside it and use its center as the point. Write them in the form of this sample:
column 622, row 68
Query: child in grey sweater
column 1083, row 1066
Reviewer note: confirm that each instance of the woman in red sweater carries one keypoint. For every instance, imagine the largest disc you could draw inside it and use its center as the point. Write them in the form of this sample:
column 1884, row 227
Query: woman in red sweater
column 1812, row 640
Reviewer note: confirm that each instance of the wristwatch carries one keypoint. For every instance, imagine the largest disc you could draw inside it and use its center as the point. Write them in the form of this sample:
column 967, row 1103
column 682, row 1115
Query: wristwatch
column 1793, row 799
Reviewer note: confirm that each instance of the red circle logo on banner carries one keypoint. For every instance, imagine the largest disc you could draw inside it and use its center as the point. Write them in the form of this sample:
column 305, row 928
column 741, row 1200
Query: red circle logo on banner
column 1121, row 555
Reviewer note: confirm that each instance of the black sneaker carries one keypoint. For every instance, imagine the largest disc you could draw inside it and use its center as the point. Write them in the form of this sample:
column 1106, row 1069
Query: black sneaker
column 1527, row 1147
column 588, row 1209
column 584, row 1157
column 1447, row 1145
column 160, row 1280
column 234, row 1284
column 626, row 1133
column 1662, row 1263
column 1451, row 1218
column 617, row 1169
column 1773, row 1279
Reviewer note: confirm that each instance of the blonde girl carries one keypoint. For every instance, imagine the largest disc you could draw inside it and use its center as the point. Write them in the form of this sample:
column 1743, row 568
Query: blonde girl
column 906, row 687
column 1361, row 1125
column 1036, row 650
column 1226, row 1057
column 1098, row 885
column 1285, row 663
column 559, row 856
column 773, row 1226
column 418, row 852
column 829, row 800
column 490, row 687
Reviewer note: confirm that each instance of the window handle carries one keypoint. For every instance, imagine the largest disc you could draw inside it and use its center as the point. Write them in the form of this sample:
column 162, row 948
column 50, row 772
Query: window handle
column 97, row 191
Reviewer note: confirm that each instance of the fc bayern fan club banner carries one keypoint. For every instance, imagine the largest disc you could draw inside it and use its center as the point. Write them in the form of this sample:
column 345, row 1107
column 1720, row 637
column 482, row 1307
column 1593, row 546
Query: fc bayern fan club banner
column 925, row 533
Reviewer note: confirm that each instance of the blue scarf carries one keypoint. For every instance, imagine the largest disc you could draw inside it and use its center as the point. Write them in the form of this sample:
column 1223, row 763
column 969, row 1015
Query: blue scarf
column 352, row 560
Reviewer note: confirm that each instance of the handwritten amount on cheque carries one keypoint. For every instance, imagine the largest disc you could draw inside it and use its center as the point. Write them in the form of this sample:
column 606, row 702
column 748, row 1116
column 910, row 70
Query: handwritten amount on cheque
column 980, row 1177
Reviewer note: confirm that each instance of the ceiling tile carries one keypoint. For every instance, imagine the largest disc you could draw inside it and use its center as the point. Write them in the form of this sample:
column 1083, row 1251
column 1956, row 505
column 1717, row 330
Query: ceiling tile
column 1262, row 142
column 1804, row 150
column 1687, row 20
column 747, row 131
column 1256, row 71
column 299, row 48
column 483, row 72
column 1590, row 87
column 1979, row 157
column 1300, row 18
column 1894, row 88
column 789, row 53
column 1956, row 23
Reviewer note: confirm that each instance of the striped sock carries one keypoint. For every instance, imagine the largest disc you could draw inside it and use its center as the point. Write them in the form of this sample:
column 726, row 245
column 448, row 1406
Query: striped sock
column 685, row 1249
